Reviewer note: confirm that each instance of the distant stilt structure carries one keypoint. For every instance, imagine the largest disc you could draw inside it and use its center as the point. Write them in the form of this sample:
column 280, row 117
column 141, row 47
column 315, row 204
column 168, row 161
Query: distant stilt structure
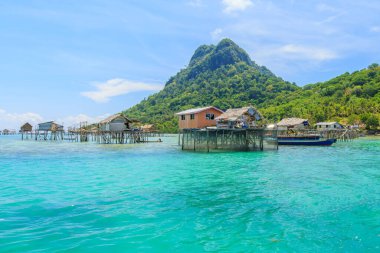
column 26, row 131
column 113, row 130
column 83, row 131
column 49, row 131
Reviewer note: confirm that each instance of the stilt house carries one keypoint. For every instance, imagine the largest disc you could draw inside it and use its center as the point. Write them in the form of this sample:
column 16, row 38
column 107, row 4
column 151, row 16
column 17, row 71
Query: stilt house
column 115, row 123
column 26, row 128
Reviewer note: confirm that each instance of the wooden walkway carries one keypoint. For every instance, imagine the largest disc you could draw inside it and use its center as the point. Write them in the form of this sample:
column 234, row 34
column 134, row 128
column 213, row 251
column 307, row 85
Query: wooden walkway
column 101, row 137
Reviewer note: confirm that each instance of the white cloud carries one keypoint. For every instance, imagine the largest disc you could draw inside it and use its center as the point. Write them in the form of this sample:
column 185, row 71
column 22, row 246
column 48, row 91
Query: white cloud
column 375, row 29
column 15, row 120
column 310, row 53
column 236, row 5
column 116, row 87
column 216, row 34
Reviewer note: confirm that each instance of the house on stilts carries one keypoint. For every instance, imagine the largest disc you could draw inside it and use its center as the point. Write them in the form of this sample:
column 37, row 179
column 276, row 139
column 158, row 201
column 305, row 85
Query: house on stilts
column 49, row 131
column 236, row 129
column 118, row 129
column 26, row 131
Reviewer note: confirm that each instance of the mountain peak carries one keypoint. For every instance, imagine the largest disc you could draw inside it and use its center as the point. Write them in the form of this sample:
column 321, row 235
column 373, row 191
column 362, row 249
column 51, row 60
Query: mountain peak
column 227, row 43
column 200, row 53
column 228, row 52
column 211, row 57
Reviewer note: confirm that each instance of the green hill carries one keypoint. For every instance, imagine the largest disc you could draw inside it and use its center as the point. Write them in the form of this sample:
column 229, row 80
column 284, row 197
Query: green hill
column 221, row 75
column 226, row 77
column 349, row 98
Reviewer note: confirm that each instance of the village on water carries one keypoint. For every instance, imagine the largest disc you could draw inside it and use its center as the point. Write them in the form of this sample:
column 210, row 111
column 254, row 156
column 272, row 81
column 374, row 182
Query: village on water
column 200, row 129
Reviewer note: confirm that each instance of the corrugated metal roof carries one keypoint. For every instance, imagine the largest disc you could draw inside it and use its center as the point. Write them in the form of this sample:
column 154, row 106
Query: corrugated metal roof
column 291, row 122
column 234, row 114
column 197, row 110
column 50, row 122
column 112, row 117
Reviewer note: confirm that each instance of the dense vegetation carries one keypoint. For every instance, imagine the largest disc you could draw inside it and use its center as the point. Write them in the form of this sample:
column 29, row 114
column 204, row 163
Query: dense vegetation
column 349, row 98
column 225, row 76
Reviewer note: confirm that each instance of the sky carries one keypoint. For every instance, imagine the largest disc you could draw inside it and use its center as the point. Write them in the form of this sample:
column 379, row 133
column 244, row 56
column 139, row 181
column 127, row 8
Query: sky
column 72, row 61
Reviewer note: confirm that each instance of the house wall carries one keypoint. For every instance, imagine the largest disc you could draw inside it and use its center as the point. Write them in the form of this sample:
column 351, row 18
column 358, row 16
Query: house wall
column 104, row 127
column 116, row 125
column 328, row 127
column 45, row 126
column 113, row 127
column 199, row 120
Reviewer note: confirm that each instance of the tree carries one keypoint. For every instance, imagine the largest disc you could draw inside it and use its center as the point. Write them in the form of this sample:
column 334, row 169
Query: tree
column 373, row 66
column 372, row 122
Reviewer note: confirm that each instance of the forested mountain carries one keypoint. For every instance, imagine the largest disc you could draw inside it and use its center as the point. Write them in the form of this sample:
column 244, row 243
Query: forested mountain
column 224, row 76
column 221, row 75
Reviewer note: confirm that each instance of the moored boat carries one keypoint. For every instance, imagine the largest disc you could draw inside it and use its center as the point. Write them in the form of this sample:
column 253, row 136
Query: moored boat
column 306, row 140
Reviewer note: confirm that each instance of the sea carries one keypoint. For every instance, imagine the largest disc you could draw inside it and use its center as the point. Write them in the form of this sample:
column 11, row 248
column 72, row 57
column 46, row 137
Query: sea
column 154, row 197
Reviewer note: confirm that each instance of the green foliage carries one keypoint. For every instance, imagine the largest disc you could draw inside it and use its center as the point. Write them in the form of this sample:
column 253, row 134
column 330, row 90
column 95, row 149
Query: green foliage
column 224, row 76
column 370, row 120
column 350, row 98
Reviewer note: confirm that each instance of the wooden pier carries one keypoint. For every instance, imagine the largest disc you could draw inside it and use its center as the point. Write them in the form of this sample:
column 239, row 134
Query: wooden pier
column 220, row 139
column 43, row 135
column 101, row 137
column 341, row 134
column 123, row 137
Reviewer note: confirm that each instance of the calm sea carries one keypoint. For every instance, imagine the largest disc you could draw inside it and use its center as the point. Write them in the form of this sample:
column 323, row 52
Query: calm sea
column 83, row 197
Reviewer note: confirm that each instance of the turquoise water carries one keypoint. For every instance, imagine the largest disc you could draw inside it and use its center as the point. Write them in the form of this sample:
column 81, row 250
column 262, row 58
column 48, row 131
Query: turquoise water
column 80, row 197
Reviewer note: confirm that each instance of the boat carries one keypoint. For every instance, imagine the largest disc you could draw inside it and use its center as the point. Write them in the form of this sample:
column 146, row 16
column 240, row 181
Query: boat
column 306, row 140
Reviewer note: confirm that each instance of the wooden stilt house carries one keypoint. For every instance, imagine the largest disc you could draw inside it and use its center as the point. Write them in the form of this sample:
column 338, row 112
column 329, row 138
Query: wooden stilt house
column 115, row 123
column 26, row 128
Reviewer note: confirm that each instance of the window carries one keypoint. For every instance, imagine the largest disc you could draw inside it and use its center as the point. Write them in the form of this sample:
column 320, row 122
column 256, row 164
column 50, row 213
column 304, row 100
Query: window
column 192, row 116
column 183, row 117
column 210, row 116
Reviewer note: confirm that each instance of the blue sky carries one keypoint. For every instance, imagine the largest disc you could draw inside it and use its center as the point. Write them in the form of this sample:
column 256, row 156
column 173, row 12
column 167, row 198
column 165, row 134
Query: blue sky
column 72, row 61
